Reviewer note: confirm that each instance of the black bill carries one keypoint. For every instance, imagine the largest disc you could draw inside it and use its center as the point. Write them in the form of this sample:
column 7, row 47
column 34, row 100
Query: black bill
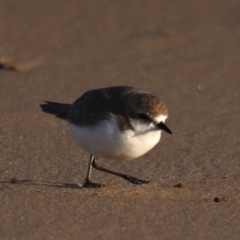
column 163, row 126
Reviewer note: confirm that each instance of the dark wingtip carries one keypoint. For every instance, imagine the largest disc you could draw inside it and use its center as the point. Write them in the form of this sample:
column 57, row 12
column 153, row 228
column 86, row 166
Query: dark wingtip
column 43, row 105
column 60, row 110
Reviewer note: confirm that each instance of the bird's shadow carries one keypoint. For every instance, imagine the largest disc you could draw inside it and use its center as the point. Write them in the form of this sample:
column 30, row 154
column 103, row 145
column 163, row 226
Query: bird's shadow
column 15, row 181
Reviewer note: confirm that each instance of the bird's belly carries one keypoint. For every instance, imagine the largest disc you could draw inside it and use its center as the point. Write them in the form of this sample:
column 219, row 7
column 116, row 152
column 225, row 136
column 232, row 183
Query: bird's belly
column 106, row 140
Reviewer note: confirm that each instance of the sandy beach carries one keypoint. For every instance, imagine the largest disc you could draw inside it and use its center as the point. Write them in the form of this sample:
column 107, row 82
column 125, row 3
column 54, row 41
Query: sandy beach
column 187, row 52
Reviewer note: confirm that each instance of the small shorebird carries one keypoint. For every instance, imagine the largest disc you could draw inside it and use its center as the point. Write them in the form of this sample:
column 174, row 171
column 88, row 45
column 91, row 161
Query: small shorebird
column 121, row 123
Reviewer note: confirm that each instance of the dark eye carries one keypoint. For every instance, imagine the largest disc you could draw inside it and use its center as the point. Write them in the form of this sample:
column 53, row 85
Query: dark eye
column 143, row 116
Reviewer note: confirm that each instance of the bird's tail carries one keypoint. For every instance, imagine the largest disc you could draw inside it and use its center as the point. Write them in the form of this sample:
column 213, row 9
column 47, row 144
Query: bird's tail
column 60, row 110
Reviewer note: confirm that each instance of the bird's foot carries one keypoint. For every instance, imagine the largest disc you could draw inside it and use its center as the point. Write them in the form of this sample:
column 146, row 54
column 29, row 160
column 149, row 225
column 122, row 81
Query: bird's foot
column 89, row 184
column 135, row 180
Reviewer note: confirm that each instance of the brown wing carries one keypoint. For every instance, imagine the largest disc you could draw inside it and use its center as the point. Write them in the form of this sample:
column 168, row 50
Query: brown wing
column 98, row 104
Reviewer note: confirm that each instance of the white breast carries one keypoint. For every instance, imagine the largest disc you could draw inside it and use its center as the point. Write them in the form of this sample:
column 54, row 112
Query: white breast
column 106, row 140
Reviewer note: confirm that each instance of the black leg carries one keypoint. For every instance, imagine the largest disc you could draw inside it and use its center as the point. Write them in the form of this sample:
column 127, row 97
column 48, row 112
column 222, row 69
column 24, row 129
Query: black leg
column 87, row 183
column 124, row 176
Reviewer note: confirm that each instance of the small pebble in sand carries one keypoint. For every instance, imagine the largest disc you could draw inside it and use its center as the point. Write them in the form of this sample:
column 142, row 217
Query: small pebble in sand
column 225, row 199
column 179, row 185
column 14, row 180
column 217, row 199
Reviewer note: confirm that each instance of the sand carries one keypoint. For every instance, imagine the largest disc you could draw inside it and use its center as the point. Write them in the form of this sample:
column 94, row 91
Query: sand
column 187, row 52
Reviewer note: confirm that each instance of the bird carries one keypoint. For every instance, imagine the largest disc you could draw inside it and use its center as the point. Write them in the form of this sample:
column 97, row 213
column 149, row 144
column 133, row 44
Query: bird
column 119, row 122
